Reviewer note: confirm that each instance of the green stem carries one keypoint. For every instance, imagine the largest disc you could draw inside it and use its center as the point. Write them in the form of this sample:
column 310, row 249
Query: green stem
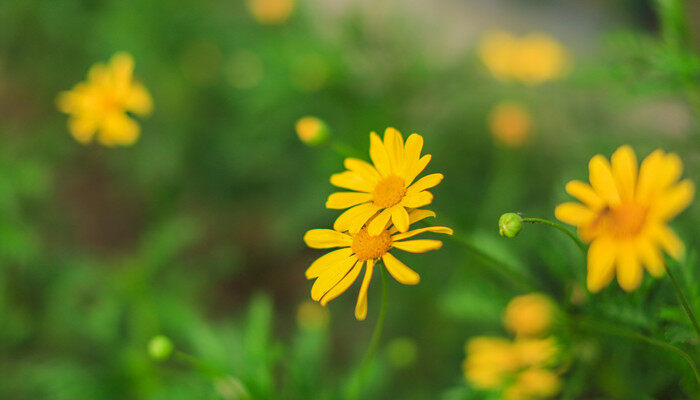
column 683, row 300
column 198, row 364
column 516, row 279
column 373, row 344
column 562, row 228
column 616, row 330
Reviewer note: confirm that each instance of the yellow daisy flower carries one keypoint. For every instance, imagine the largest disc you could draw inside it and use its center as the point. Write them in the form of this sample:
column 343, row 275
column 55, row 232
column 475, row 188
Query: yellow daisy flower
column 336, row 271
column 386, row 188
column 528, row 315
column 624, row 215
column 100, row 104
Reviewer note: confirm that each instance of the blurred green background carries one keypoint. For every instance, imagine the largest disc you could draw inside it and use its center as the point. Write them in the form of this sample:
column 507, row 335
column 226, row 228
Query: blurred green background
column 195, row 232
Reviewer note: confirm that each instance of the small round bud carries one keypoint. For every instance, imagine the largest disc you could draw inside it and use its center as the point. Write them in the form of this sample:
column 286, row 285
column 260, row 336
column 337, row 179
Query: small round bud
column 312, row 131
column 160, row 348
column 510, row 224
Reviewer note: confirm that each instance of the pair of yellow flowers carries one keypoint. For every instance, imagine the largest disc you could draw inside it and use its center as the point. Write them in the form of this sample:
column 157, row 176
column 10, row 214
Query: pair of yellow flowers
column 384, row 201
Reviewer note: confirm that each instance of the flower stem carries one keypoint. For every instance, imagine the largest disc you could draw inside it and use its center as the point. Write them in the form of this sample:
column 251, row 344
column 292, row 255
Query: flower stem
column 562, row 228
column 616, row 330
column 373, row 344
column 684, row 301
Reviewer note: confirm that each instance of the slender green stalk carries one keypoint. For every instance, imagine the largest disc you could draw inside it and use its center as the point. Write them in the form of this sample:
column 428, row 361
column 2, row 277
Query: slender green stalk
column 562, row 228
column 616, row 330
column 684, row 301
column 198, row 364
column 373, row 344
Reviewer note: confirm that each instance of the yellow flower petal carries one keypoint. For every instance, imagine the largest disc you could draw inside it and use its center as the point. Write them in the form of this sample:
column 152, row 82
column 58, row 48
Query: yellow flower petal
column 326, row 238
column 602, row 180
column 649, row 173
column 675, row 200
column 573, row 214
column 585, row 194
column 399, row 216
column 434, row 229
column 393, row 142
column 353, row 181
column 118, row 129
column 671, row 171
column 82, row 128
column 412, row 149
column 138, row 100
column 624, row 169
column 343, row 285
column 378, row 224
column 326, row 261
column 652, row 259
column 354, row 217
column 379, row 155
column 342, row 200
column 416, row 200
column 629, row 270
column 417, row 246
column 361, row 306
column 400, row 271
column 331, row 277
column 669, row 241
column 415, row 168
column 601, row 264
column 413, row 217
column 425, row 182
column 364, row 169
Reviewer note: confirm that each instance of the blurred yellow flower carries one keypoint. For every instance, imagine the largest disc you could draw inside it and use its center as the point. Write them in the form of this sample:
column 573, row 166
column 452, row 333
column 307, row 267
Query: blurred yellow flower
column 490, row 362
column 336, row 271
column 510, row 123
column 536, row 352
column 100, row 104
column 386, row 188
column 624, row 215
column 532, row 59
column 311, row 130
column 528, row 315
column 534, row 383
column 271, row 12
column 311, row 316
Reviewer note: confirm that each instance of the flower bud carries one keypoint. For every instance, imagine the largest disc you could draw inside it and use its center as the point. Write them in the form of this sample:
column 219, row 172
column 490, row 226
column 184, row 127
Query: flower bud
column 510, row 224
column 160, row 348
column 312, row 131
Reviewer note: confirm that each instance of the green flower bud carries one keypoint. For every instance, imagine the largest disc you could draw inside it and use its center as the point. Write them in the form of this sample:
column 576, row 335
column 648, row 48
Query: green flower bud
column 510, row 224
column 160, row 348
column 312, row 131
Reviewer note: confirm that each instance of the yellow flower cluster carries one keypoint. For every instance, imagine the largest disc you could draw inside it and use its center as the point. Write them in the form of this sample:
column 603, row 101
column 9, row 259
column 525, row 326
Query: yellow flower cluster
column 100, row 105
column 624, row 214
column 383, row 203
column 521, row 369
column 532, row 59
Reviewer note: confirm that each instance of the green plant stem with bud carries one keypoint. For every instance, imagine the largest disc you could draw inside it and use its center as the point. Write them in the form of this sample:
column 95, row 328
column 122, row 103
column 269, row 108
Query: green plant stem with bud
column 561, row 228
column 373, row 344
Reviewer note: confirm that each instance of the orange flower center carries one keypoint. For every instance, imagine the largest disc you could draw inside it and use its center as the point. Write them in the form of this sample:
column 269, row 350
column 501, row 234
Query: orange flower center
column 368, row 247
column 623, row 221
column 388, row 192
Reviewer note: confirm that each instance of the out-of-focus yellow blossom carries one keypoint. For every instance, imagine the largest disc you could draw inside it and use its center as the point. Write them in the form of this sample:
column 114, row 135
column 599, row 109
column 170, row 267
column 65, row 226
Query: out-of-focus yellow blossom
column 386, row 189
column 534, row 383
column 510, row 123
column 311, row 130
column 531, row 59
column 311, row 316
column 625, row 214
column 100, row 104
column 528, row 315
column 271, row 12
column 536, row 352
column 336, row 271
column 490, row 361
